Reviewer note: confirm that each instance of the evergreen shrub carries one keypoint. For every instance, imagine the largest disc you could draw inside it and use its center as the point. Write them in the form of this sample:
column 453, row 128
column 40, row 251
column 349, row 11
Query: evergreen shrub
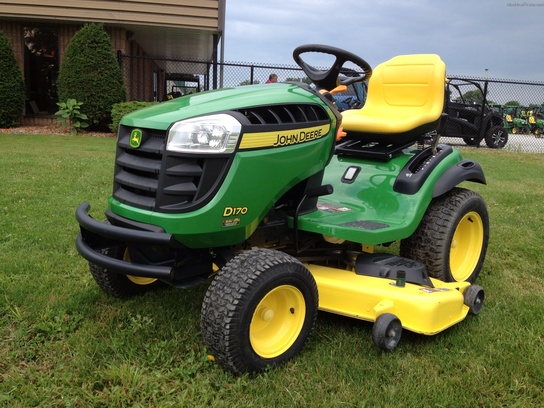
column 12, row 86
column 90, row 73
column 121, row 109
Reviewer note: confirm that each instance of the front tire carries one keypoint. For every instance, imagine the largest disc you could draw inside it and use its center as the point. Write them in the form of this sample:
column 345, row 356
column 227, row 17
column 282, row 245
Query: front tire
column 451, row 240
column 471, row 141
column 258, row 311
column 496, row 137
column 117, row 284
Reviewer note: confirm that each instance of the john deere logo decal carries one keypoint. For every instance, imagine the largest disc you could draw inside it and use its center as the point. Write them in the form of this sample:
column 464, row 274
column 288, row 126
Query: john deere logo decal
column 135, row 138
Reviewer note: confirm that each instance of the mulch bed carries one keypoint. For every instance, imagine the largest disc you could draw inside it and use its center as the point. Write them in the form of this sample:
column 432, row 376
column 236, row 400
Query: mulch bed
column 50, row 130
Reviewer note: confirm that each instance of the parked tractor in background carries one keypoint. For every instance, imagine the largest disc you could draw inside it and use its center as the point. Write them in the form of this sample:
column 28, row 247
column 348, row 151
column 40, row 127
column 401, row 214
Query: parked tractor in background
column 535, row 117
column 515, row 118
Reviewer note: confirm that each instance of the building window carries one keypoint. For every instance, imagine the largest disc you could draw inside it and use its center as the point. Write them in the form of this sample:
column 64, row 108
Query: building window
column 41, row 69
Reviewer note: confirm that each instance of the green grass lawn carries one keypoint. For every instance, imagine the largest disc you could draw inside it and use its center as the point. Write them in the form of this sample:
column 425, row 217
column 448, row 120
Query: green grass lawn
column 64, row 343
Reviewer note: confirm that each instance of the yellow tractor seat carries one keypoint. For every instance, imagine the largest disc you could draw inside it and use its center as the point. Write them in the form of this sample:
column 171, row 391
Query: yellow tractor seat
column 405, row 100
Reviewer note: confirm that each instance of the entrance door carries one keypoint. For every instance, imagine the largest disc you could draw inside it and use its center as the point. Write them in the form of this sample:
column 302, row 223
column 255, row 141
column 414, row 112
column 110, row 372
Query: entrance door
column 41, row 69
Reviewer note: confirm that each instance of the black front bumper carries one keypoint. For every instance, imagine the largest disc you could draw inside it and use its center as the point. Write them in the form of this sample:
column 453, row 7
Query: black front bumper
column 96, row 235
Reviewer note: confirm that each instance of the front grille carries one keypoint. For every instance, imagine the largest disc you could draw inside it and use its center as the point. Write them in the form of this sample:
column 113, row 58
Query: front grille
column 151, row 178
column 285, row 114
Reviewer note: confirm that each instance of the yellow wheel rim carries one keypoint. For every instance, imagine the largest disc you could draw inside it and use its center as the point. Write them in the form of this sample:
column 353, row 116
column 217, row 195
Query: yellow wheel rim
column 466, row 246
column 277, row 321
column 138, row 280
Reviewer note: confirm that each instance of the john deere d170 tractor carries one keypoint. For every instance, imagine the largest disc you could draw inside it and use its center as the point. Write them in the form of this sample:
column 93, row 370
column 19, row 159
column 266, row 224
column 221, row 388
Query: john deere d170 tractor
column 283, row 203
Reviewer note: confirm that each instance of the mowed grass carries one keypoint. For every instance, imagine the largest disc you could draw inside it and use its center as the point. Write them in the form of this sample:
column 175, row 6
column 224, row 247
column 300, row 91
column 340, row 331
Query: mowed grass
column 64, row 343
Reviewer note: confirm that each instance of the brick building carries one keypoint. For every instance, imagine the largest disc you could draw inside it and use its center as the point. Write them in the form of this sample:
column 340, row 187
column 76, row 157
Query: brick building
column 151, row 32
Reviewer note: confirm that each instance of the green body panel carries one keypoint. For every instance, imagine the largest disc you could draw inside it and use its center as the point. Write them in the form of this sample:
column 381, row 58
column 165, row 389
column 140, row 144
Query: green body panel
column 163, row 115
column 369, row 211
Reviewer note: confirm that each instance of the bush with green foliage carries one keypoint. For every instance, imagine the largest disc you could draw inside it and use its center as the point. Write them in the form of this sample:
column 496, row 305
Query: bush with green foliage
column 121, row 109
column 12, row 86
column 69, row 114
column 90, row 73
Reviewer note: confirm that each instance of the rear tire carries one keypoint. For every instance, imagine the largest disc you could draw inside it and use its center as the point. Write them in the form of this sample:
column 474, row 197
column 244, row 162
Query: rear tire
column 496, row 137
column 451, row 240
column 258, row 311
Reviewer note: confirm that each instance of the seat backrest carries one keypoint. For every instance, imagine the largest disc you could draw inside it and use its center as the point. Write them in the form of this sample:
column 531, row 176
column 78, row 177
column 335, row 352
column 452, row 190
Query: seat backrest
column 405, row 94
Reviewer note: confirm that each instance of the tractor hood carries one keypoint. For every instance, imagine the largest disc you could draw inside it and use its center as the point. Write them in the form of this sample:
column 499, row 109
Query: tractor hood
column 163, row 115
column 208, row 198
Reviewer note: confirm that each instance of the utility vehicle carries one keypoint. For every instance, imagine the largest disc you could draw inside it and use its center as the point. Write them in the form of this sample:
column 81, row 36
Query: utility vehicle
column 289, row 206
column 473, row 120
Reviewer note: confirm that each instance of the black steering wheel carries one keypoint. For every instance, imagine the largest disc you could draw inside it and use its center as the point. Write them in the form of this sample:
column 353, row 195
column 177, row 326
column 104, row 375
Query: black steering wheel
column 336, row 74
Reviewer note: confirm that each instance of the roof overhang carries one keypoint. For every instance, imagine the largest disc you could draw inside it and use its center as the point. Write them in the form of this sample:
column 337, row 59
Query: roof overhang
column 170, row 42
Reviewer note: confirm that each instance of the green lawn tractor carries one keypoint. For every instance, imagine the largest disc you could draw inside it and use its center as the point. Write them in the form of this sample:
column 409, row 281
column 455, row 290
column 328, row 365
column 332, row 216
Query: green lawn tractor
column 285, row 206
column 508, row 121
column 515, row 121
column 535, row 118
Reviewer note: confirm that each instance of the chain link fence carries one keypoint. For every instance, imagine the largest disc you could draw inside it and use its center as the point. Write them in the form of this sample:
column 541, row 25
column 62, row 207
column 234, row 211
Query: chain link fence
column 520, row 104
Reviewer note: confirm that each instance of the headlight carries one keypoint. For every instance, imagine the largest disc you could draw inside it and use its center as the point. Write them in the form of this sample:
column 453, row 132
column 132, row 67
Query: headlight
column 206, row 134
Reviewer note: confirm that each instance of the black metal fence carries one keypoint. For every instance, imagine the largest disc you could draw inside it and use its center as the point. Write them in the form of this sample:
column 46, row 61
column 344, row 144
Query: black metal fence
column 521, row 103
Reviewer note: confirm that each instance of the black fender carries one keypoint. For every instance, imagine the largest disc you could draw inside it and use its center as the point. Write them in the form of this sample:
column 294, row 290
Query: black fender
column 418, row 169
column 465, row 170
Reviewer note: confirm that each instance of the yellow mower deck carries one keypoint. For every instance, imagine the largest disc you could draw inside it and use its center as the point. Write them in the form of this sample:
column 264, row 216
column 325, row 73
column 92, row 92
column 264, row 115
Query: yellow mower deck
column 420, row 309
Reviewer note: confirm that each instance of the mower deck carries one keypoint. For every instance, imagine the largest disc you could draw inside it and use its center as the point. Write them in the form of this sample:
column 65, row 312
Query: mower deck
column 421, row 309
